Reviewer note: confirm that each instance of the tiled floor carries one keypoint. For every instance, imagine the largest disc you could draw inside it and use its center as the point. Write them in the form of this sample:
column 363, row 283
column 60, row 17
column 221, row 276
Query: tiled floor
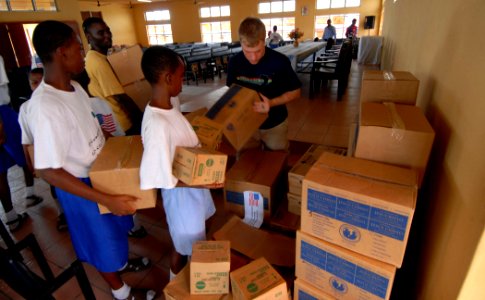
column 322, row 120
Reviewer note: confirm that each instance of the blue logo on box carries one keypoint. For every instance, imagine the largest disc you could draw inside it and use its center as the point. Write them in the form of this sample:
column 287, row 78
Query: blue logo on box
column 350, row 233
column 338, row 285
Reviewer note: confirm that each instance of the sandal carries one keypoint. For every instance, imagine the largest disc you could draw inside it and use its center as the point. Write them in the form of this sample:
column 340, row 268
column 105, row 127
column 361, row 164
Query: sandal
column 139, row 233
column 15, row 225
column 33, row 200
column 136, row 265
column 140, row 294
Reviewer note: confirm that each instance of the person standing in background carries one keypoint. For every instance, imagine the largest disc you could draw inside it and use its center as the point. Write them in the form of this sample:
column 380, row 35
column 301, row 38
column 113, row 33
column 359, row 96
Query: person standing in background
column 329, row 32
column 351, row 31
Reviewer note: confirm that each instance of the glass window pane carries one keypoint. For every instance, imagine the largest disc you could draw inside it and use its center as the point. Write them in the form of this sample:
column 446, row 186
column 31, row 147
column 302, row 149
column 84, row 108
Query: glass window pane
column 352, row 3
column 276, row 6
column 167, row 28
column 226, row 10
column 216, row 27
column 215, row 11
column 205, row 28
column 17, row 5
column 289, row 6
column 226, row 26
column 264, row 8
column 205, row 12
column 3, row 5
column 337, row 3
column 323, row 4
column 45, row 5
column 206, row 38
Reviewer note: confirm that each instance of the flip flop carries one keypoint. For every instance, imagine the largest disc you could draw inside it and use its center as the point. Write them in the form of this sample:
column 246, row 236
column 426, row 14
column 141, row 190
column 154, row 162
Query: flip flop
column 136, row 265
column 15, row 225
column 33, row 200
column 139, row 233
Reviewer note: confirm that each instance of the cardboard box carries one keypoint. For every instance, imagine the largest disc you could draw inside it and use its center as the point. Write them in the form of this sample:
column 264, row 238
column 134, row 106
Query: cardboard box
column 197, row 166
column 294, row 203
column 199, row 112
column 258, row 280
column 208, row 132
column 179, row 289
column 234, row 110
column 341, row 273
column 116, row 170
column 254, row 243
column 305, row 291
column 209, row 267
column 257, row 171
column 140, row 91
column 361, row 205
column 126, row 64
column 395, row 134
column 395, row 86
column 299, row 170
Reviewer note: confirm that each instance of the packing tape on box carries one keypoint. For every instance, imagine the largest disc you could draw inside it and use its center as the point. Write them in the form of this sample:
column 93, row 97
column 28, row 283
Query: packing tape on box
column 388, row 75
column 125, row 158
column 397, row 123
column 233, row 90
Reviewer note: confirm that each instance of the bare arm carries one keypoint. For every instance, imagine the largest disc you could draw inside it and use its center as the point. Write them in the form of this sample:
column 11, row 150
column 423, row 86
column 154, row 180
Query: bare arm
column 207, row 186
column 266, row 104
column 117, row 204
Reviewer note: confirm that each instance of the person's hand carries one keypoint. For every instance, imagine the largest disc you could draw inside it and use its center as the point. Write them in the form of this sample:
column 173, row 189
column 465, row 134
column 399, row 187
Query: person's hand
column 262, row 106
column 121, row 205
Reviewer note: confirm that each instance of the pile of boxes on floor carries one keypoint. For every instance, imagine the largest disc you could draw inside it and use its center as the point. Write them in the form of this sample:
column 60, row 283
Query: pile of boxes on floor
column 356, row 210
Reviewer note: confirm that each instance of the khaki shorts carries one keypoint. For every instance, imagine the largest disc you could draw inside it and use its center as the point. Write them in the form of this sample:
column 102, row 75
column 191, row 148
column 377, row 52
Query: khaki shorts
column 275, row 138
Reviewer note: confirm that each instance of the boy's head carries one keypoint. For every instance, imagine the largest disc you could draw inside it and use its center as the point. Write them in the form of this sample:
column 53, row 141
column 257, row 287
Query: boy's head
column 35, row 78
column 251, row 34
column 163, row 66
column 98, row 34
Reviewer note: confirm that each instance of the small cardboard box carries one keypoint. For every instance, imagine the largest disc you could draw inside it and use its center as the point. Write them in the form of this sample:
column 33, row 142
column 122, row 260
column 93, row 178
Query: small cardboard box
column 305, row 291
column 116, row 170
column 198, row 166
column 395, row 86
column 258, row 280
column 234, row 110
column 179, row 289
column 299, row 170
column 208, row 132
column 341, row 273
column 294, row 203
column 126, row 64
column 395, row 134
column 209, row 267
column 257, row 171
column 361, row 205
column 279, row 249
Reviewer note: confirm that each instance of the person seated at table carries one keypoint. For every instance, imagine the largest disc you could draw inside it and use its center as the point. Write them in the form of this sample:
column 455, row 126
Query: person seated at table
column 351, row 31
column 270, row 73
column 275, row 38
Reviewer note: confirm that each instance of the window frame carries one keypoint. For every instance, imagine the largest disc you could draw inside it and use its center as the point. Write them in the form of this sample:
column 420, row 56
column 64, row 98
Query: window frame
column 317, row 7
column 35, row 8
column 159, row 22
column 340, row 28
column 273, row 3
column 222, row 34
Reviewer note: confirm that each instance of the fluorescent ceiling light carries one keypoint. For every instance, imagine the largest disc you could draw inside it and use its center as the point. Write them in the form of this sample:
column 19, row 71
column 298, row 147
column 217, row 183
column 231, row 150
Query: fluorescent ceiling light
column 144, row 0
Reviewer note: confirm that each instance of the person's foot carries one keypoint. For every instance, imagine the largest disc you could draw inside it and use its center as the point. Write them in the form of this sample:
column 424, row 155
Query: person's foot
column 139, row 233
column 140, row 294
column 61, row 223
column 136, row 265
column 33, row 200
column 15, row 225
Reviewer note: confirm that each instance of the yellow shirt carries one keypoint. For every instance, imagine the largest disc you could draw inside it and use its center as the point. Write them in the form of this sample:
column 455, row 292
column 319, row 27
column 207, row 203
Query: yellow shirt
column 104, row 84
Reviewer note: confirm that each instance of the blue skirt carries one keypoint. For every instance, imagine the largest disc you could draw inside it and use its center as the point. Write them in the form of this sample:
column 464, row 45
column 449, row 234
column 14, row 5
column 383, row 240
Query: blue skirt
column 98, row 239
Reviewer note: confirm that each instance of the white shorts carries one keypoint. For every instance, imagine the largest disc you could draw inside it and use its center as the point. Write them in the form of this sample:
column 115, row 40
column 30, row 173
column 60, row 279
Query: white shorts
column 187, row 209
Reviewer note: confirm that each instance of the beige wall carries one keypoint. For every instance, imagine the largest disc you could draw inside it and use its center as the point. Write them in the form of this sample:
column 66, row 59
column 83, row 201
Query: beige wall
column 119, row 18
column 441, row 43
column 185, row 17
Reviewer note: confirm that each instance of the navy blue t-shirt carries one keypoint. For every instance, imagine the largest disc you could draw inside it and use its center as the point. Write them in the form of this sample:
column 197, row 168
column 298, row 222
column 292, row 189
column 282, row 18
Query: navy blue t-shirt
column 272, row 76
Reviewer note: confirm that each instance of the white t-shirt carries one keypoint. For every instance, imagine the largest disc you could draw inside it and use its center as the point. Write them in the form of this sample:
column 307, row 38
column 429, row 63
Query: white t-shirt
column 65, row 129
column 27, row 138
column 162, row 130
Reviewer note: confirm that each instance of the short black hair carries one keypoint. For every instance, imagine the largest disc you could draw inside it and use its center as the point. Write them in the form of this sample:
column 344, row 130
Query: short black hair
column 90, row 21
column 37, row 71
column 50, row 35
column 158, row 59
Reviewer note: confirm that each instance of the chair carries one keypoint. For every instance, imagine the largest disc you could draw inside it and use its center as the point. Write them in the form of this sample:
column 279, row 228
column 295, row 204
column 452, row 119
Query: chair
column 325, row 69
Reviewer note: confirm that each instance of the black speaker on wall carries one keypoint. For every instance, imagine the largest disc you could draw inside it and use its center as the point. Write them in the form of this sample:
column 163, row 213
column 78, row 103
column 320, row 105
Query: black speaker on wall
column 369, row 22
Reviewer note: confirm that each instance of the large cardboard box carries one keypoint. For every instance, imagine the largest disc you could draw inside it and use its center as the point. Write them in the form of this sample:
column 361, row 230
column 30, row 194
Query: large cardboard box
column 116, row 170
column 341, row 273
column 305, row 291
column 209, row 267
column 126, row 64
column 179, row 289
column 198, row 166
column 208, row 132
column 361, row 205
column 395, row 134
column 234, row 110
column 257, row 171
column 294, row 203
column 396, row 86
column 299, row 170
column 258, row 280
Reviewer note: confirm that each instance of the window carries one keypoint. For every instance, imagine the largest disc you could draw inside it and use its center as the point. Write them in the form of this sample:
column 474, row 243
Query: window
column 326, row 4
column 215, row 11
column 276, row 7
column 285, row 25
column 159, row 29
column 340, row 22
column 216, row 32
column 28, row 5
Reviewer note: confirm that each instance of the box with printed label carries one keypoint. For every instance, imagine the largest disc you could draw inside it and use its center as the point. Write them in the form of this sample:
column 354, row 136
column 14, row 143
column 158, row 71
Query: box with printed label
column 391, row 86
column 258, row 280
column 341, row 273
column 299, row 170
column 395, row 134
column 305, row 291
column 116, row 170
column 257, row 171
column 361, row 205
column 294, row 203
column 234, row 110
column 198, row 166
column 179, row 289
column 208, row 132
column 209, row 267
